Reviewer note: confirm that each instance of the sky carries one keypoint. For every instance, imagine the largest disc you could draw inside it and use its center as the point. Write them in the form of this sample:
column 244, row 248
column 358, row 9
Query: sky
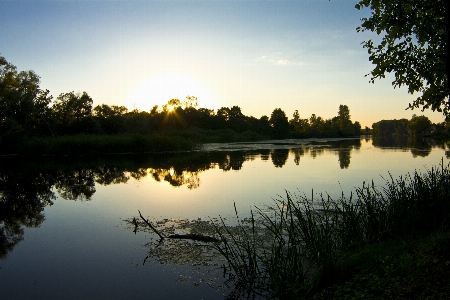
column 303, row 55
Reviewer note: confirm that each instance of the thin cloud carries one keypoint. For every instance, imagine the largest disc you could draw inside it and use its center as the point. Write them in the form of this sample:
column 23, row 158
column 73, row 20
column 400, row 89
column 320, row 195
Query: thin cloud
column 278, row 59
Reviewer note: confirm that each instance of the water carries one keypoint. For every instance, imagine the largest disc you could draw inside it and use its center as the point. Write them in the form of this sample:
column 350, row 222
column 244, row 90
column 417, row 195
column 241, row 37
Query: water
column 64, row 222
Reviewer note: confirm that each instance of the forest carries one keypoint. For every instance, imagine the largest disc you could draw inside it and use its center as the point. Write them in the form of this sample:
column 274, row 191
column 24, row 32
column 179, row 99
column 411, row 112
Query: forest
column 27, row 111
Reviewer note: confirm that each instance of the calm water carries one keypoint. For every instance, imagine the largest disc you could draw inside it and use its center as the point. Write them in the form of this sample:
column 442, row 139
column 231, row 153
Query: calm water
column 63, row 228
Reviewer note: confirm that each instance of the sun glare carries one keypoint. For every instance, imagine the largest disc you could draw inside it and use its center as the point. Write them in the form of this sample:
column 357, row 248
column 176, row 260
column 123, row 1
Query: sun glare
column 158, row 90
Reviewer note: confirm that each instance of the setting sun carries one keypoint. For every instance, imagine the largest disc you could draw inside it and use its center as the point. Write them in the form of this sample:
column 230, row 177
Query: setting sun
column 170, row 108
column 157, row 90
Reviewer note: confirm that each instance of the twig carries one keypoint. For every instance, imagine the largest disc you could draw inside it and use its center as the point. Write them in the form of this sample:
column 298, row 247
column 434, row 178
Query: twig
column 151, row 226
column 195, row 237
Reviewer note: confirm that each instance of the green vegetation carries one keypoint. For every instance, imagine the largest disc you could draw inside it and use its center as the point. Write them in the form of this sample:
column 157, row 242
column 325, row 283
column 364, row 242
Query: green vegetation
column 414, row 46
column 349, row 247
column 417, row 126
column 31, row 122
column 95, row 144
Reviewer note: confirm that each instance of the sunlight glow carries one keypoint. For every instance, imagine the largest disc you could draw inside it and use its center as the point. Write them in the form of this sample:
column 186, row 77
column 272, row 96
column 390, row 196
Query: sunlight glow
column 157, row 90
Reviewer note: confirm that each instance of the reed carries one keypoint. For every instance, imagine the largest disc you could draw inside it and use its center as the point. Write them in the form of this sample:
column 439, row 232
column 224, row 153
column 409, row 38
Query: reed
column 295, row 248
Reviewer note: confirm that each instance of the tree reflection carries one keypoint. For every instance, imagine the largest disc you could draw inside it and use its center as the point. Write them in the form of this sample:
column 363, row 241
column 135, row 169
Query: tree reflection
column 265, row 154
column 344, row 158
column 344, row 149
column 232, row 161
column 279, row 157
column 110, row 175
column 176, row 178
column 23, row 196
column 298, row 153
column 78, row 184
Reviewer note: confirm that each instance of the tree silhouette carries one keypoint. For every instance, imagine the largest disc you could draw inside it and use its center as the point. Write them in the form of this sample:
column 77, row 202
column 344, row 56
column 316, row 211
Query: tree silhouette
column 414, row 46
column 279, row 123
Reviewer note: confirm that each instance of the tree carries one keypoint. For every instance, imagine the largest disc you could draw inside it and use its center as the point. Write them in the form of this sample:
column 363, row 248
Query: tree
column 344, row 117
column 171, row 105
column 73, row 112
column 419, row 125
column 279, row 123
column 414, row 46
column 24, row 107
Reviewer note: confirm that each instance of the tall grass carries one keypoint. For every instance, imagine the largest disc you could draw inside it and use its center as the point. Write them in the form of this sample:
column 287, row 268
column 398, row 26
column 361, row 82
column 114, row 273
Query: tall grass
column 294, row 248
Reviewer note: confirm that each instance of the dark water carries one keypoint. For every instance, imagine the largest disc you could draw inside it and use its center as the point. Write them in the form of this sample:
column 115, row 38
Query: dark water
column 64, row 222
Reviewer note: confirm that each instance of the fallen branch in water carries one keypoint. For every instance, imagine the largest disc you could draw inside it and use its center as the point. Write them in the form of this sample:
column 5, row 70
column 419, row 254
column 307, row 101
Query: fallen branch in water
column 151, row 226
column 195, row 237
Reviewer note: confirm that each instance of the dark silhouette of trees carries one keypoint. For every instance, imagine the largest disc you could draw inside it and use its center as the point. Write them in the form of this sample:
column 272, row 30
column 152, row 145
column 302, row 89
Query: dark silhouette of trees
column 72, row 113
column 279, row 123
column 24, row 107
column 338, row 126
column 414, row 46
column 27, row 111
column 110, row 118
column 279, row 157
column 419, row 126
column 23, row 196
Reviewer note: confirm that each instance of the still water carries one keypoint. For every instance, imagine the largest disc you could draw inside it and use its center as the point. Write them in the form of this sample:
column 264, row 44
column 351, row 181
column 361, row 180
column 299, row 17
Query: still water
column 65, row 230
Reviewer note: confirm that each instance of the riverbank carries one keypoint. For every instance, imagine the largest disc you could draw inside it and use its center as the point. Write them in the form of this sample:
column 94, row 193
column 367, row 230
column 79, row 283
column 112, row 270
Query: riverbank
column 166, row 141
column 415, row 268
column 390, row 241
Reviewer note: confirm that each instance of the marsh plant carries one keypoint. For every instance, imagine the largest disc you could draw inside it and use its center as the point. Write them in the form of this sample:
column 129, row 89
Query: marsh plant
column 293, row 248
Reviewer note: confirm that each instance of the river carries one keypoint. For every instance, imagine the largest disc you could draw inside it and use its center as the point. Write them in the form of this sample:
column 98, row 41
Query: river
column 66, row 229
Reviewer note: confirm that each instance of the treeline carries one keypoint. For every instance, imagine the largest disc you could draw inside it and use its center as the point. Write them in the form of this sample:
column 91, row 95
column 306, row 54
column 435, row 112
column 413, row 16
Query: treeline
column 417, row 126
column 27, row 111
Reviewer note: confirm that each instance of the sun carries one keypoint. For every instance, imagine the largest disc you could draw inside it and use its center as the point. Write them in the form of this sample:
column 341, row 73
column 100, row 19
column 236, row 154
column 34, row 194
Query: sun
column 160, row 88
column 170, row 108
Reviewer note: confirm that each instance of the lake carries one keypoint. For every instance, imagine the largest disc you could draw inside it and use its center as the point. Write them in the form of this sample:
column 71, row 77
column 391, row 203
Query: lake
column 67, row 229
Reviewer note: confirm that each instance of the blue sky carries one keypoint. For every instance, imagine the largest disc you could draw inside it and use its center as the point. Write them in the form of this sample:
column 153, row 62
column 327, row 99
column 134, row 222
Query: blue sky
column 259, row 55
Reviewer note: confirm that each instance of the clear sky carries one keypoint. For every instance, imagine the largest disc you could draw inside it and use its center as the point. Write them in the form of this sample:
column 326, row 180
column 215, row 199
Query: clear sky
column 259, row 55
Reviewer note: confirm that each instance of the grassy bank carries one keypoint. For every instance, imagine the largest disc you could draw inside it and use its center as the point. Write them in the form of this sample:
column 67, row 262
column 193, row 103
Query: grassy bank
column 350, row 247
column 167, row 141
column 96, row 144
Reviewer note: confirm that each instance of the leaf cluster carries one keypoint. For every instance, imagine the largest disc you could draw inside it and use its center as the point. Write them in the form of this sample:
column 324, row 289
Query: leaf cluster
column 413, row 47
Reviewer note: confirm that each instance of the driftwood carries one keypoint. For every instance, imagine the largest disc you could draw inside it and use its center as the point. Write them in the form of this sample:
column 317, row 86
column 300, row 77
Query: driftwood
column 195, row 237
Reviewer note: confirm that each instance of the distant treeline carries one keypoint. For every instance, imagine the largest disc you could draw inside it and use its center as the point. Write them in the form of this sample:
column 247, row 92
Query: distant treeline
column 27, row 111
column 417, row 126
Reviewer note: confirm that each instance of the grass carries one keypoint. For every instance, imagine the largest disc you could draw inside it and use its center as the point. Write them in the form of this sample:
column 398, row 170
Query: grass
column 322, row 247
column 166, row 141
column 414, row 268
column 95, row 144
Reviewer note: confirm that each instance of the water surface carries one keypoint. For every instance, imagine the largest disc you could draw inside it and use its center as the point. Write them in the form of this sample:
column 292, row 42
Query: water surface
column 63, row 221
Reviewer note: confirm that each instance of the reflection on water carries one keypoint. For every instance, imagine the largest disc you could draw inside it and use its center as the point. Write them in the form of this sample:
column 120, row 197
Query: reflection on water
column 197, row 180
column 24, row 194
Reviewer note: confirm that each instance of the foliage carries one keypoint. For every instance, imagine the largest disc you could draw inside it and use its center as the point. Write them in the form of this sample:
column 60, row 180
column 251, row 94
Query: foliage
column 72, row 113
column 305, row 239
column 417, row 126
column 414, row 46
column 279, row 123
column 386, row 128
column 23, row 105
column 338, row 126
column 415, row 268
